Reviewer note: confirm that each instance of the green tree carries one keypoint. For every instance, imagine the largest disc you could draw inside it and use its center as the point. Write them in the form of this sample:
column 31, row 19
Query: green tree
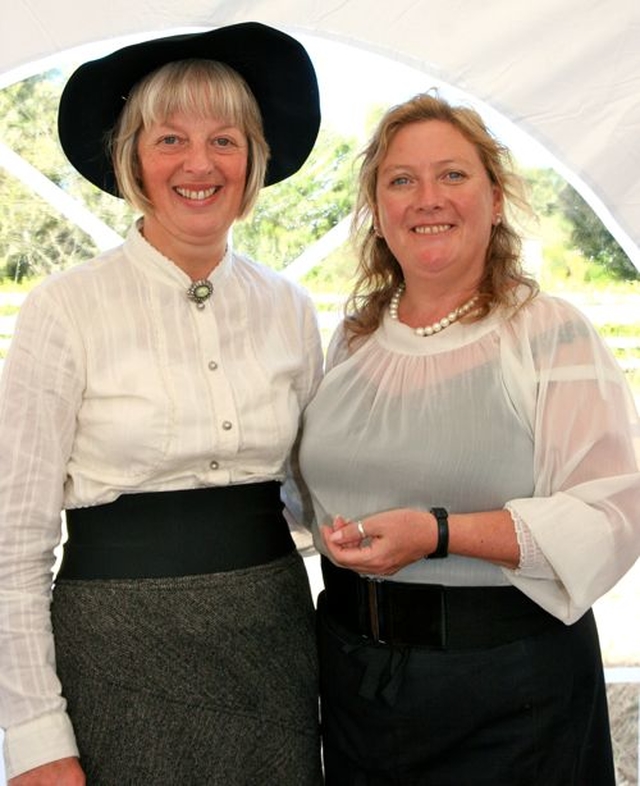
column 34, row 238
column 291, row 215
column 593, row 239
column 570, row 226
column 544, row 187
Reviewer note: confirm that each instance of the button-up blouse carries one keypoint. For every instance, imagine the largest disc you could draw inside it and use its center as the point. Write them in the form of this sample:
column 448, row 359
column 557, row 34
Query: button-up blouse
column 117, row 383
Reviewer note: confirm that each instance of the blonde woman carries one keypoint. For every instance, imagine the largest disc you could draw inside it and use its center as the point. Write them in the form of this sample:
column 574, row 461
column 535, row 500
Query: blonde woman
column 154, row 393
column 470, row 460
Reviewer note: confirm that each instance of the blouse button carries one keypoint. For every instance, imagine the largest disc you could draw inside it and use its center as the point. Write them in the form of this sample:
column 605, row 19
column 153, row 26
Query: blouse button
column 212, row 365
column 227, row 425
column 213, row 465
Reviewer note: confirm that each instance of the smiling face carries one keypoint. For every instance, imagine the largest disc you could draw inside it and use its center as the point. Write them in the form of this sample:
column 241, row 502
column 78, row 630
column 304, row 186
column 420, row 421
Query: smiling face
column 193, row 172
column 435, row 204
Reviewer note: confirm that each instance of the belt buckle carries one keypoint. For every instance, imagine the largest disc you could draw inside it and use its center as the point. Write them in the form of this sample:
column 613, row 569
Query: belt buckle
column 430, row 617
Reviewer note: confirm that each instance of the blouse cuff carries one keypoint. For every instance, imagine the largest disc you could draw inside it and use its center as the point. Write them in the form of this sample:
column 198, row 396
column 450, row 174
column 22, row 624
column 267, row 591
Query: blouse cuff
column 533, row 564
column 39, row 741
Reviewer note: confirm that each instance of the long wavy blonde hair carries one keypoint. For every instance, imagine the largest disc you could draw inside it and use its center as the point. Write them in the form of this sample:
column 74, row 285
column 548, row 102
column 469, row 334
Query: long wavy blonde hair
column 378, row 273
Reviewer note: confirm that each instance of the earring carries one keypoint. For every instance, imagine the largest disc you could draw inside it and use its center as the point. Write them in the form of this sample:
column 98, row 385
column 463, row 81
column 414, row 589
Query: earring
column 497, row 220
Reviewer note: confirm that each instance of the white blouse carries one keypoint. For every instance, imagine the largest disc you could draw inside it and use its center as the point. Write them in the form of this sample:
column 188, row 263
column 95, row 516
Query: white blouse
column 116, row 383
column 531, row 413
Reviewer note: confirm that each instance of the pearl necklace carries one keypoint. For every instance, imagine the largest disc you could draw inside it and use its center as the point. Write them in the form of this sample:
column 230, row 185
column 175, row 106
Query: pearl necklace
column 438, row 326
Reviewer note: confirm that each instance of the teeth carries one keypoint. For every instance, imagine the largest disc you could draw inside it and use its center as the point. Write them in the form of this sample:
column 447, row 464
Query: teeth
column 201, row 194
column 433, row 229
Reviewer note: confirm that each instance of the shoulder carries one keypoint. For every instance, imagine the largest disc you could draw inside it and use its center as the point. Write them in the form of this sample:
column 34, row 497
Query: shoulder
column 343, row 345
column 75, row 282
column 554, row 330
column 546, row 313
column 268, row 283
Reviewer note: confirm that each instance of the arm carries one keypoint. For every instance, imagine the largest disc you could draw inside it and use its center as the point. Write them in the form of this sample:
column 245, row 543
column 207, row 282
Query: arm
column 584, row 511
column 295, row 494
column 399, row 537
column 39, row 396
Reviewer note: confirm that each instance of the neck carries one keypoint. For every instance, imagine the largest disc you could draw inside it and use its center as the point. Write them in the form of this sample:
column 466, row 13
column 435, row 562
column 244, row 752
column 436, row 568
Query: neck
column 199, row 269
column 420, row 306
column 437, row 324
column 197, row 260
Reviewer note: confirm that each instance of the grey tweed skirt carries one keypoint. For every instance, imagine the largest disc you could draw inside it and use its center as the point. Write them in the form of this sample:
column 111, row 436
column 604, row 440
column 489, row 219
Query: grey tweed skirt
column 197, row 680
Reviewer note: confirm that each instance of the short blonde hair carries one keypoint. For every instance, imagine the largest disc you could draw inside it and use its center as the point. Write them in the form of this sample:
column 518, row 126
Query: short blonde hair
column 379, row 273
column 210, row 89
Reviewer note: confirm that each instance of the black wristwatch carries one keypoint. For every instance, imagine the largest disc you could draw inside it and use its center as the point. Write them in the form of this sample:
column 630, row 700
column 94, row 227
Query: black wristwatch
column 442, row 520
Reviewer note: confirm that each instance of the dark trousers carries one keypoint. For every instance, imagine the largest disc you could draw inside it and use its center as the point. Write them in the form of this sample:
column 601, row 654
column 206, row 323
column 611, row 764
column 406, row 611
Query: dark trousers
column 528, row 713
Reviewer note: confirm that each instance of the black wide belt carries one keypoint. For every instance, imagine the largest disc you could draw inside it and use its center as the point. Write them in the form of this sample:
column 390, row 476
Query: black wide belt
column 177, row 533
column 430, row 615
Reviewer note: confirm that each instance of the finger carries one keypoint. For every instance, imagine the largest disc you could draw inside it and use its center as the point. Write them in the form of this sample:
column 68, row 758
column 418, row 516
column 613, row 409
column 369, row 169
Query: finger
column 327, row 535
column 353, row 532
column 353, row 559
column 337, row 550
column 339, row 522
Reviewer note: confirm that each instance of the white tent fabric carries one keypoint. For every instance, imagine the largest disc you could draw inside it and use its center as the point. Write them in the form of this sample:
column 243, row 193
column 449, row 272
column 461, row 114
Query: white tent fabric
column 565, row 71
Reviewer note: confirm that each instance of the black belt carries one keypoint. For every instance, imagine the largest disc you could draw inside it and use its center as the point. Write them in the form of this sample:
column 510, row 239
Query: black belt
column 430, row 615
column 177, row 533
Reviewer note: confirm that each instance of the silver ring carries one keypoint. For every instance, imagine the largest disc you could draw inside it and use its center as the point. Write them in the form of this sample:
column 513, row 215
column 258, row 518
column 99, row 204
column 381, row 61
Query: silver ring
column 363, row 534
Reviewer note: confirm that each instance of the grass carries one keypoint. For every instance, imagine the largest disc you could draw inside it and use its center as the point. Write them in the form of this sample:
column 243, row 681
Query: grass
column 7, row 286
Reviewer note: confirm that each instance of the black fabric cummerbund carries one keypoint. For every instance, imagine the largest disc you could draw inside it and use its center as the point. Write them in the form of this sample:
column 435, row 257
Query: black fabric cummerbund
column 430, row 615
column 177, row 533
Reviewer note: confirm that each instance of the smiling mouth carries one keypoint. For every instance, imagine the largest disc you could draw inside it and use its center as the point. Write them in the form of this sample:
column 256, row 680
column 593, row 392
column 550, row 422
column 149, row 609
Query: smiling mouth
column 432, row 229
column 199, row 195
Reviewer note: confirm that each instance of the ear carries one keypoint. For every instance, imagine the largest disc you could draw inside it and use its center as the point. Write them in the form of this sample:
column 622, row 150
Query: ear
column 498, row 204
column 375, row 223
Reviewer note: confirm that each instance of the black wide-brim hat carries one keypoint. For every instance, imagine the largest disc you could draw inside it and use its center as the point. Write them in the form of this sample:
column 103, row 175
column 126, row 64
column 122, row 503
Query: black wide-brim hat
column 276, row 67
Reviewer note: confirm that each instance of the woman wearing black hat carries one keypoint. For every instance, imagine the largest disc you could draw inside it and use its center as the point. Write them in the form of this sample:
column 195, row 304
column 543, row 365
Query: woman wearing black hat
column 154, row 394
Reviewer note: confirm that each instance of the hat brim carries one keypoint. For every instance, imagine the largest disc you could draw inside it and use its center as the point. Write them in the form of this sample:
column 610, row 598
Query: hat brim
column 276, row 67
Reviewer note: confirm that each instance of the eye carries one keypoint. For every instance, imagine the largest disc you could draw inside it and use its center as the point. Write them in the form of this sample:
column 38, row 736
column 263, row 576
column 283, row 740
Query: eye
column 169, row 140
column 225, row 142
column 455, row 176
column 400, row 180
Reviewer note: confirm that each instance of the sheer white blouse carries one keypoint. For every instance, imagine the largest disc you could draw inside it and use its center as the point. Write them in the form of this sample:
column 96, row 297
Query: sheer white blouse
column 116, row 383
column 528, row 412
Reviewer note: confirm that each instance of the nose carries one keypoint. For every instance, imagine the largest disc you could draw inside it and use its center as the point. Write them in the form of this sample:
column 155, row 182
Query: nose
column 429, row 195
column 198, row 158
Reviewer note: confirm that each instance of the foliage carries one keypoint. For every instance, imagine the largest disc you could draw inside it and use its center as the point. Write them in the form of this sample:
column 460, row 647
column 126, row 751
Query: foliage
column 335, row 275
column 288, row 218
column 544, row 185
column 33, row 237
column 593, row 239
column 291, row 215
column 576, row 243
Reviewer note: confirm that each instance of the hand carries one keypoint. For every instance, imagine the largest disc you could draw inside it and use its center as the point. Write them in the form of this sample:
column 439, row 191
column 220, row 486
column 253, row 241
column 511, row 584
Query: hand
column 394, row 539
column 62, row 772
